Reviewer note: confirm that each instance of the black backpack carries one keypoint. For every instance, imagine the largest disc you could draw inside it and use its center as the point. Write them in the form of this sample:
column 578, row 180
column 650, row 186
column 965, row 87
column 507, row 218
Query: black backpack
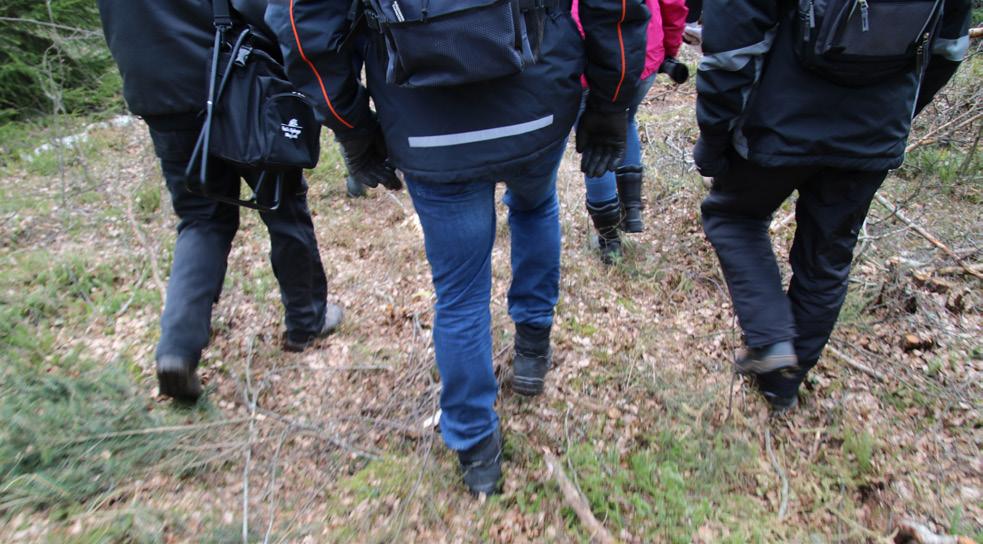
column 442, row 43
column 254, row 117
column 856, row 43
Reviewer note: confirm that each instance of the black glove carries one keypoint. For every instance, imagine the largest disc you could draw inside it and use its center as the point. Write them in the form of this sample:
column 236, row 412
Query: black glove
column 366, row 156
column 677, row 71
column 710, row 155
column 601, row 139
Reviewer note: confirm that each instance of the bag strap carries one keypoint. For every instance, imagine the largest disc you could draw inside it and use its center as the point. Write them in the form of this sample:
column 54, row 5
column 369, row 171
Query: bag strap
column 221, row 14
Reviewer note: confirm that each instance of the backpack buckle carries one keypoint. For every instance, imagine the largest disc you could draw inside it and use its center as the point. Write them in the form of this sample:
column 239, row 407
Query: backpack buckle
column 242, row 55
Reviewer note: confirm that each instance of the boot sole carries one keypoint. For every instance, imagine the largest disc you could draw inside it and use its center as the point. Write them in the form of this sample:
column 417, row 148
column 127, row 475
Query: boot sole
column 526, row 386
column 764, row 366
column 178, row 382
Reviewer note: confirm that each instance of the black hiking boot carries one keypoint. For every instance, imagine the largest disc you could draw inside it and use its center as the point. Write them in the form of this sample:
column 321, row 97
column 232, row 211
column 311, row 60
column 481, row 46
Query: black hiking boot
column 780, row 406
column 781, row 388
column 353, row 188
column 533, row 359
column 481, row 465
column 757, row 361
column 607, row 218
column 333, row 315
column 178, row 378
column 630, row 193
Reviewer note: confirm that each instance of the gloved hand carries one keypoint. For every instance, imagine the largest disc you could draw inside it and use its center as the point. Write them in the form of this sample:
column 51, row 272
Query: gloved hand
column 366, row 156
column 601, row 139
column 710, row 155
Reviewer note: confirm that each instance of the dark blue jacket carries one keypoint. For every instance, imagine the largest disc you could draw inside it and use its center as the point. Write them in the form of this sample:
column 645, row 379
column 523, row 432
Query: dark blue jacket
column 162, row 48
column 753, row 91
column 468, row 132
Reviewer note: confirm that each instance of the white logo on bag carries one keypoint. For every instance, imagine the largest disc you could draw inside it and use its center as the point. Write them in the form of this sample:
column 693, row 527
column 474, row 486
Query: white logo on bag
column 292, row 130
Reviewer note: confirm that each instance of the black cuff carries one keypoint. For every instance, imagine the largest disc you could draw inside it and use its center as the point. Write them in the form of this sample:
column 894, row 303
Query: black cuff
column 604, row 106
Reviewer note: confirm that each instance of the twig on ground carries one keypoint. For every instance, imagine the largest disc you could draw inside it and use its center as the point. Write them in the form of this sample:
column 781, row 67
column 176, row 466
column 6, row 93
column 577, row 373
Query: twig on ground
column 781, row 223
column 956, row 124
column 150, row 250
column 783, row 504
column 156, row 430
column 272, row 488
column 576, row 501
column 916, row 533
column 927, row 235
column 319, row 432
column 855, row 365
column 871, row 535
column 954, row 270
column 398, row 203
column 133, row 295
column 251, row 403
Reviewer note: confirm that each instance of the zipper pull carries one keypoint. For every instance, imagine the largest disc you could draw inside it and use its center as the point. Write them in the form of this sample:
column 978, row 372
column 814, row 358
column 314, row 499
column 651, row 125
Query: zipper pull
column 808, row 21
column 864, row 15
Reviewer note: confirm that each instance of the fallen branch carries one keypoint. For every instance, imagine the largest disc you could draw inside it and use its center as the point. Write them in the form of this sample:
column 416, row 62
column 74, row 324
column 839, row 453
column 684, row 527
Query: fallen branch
column 156, row 430
column 910, row 532
column 783, row 502
column 251, row 397
column 954, row 270
column 956, row 124
column 850, row 362
column 576, row 501
column 976, row 33
column 927, row 235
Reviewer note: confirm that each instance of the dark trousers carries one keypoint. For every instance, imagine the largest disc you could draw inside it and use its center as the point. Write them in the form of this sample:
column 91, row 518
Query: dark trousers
column 205, row 232
column 829, row 213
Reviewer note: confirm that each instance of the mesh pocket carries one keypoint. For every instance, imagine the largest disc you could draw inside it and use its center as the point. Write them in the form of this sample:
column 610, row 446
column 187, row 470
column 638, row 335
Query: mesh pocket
column 463, row 47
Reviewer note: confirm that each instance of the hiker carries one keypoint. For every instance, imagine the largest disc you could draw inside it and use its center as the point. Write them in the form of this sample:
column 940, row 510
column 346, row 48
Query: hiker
column 778, row 114
column 162, row 50
column 614, row 199
column 464, row 101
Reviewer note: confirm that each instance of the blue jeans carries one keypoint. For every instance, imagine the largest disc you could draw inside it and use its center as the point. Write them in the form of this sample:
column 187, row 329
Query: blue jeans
column 605, row 188
column 458, row 221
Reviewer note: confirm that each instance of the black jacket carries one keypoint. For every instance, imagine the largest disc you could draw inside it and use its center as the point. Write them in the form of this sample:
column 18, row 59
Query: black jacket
column 162, row 48
column 467, row 132
column 753, row 91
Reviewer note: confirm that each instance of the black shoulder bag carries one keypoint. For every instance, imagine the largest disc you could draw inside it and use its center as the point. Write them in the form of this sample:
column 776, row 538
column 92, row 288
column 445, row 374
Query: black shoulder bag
column 254, row 118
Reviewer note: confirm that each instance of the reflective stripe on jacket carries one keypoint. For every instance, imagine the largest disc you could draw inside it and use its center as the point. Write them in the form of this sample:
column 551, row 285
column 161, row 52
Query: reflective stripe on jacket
column 468, row 132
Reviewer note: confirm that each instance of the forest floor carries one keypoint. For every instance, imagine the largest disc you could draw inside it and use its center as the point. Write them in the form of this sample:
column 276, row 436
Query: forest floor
column 337, row 444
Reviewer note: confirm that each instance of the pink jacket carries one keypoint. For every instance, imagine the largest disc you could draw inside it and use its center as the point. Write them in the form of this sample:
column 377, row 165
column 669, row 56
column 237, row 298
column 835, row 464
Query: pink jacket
column 665, row 31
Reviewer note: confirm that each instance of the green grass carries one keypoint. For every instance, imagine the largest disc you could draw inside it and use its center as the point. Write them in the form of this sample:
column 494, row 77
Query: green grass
column 859, row 447
column 130, row 526
column 382, row 480
column 73, row 429
column 671, row 486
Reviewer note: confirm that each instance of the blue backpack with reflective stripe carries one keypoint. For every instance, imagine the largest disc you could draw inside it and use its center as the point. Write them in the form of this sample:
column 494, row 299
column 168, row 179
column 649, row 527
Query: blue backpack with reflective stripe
column 861, row 42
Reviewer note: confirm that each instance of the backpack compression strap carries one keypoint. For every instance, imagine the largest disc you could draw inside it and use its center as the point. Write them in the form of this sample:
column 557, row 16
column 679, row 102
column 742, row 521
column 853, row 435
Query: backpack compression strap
column 221, row 14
